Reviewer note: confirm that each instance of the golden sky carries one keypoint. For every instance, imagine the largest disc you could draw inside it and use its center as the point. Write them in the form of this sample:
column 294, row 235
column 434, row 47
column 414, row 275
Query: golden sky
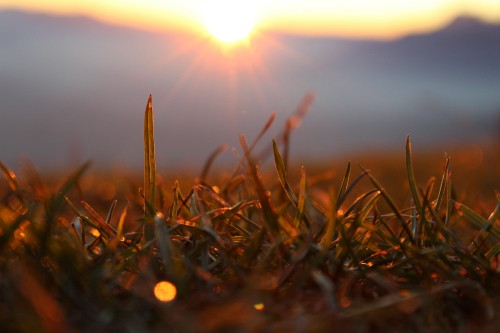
column 354, row 18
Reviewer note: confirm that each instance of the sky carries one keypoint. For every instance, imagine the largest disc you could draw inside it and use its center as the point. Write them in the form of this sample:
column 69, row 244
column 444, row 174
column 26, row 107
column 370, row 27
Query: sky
column 381, row 19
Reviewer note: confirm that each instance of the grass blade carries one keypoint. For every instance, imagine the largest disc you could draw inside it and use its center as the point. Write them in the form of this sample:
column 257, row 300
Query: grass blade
column 331, row 227
column 444, row 184
column 345, row 183
column 391, row 204
column 149, row 172
column 280, row 168
column 411, row 179
column 10, row 177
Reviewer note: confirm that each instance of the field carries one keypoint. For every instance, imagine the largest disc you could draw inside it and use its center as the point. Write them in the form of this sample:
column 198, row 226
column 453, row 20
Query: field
column 395, row 243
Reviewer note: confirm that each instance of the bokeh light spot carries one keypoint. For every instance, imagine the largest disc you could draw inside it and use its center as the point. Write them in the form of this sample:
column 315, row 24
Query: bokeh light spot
column 165, row 291
column 259, row 306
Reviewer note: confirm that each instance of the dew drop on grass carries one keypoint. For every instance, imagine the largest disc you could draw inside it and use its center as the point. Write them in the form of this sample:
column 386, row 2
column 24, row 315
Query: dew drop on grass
column 165, row 291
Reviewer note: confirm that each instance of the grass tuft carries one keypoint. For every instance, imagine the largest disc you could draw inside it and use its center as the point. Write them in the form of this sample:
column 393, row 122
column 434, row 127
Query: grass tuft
column 250, row 252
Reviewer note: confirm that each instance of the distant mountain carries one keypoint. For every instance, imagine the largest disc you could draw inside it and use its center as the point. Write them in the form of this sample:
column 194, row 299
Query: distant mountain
column 73, row 84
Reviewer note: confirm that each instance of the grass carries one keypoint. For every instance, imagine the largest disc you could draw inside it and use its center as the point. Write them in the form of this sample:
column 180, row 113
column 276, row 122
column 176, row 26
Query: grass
column 248, row 252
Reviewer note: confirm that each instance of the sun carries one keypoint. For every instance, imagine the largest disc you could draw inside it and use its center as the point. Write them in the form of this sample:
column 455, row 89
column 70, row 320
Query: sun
column 229, row 21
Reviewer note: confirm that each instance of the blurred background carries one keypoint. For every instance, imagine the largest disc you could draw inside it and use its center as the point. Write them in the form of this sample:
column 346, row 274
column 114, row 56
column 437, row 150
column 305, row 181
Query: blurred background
column 75, row 78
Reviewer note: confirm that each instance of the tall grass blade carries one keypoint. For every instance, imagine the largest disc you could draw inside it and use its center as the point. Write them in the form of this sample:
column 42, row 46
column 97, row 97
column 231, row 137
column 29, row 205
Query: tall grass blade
column 149, row 172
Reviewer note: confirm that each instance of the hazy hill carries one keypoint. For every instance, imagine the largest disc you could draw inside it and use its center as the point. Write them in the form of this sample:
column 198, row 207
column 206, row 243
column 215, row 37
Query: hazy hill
column 72, row 86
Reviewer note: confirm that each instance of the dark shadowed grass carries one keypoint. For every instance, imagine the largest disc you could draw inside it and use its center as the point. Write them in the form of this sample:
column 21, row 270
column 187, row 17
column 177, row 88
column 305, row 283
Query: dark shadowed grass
column 250, row 252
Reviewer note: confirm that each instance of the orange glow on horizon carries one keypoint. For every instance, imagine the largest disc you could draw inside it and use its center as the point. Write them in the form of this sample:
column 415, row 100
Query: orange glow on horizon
column 380, row 19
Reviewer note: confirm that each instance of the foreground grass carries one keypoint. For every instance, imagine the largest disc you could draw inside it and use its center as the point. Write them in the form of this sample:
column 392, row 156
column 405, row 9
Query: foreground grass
column 252, row 252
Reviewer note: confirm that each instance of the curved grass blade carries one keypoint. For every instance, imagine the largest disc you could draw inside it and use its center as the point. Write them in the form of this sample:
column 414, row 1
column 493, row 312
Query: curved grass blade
column 269, row 215
column 110, row 212
column 206, row 168
column 56, row 201
column 345, row 183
